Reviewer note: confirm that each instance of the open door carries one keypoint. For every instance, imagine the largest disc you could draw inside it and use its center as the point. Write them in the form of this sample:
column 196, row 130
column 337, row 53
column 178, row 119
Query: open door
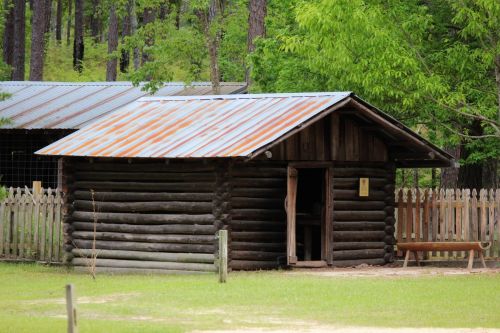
column 309, row 216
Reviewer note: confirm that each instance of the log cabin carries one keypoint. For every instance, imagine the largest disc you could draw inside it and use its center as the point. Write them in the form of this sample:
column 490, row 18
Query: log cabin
column 298, row 180
column 43, row 112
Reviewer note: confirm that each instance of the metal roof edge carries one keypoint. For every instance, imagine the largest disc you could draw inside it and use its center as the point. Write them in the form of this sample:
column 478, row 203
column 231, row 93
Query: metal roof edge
column 114, row 83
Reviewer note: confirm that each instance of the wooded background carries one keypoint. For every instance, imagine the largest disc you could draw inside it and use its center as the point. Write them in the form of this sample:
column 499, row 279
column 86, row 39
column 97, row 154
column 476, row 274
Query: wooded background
column 433, row 65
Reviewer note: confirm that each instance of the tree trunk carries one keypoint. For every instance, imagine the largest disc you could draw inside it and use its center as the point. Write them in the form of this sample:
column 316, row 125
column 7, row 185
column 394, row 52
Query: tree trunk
column 95, row 21
column 8, row 34
column 470, row 175
column 78, row 47
column 19, row 40
column 490, row 174
column 433, row 177
column 68, row 22
column 37, row 41
column 449, row 176
column 256, row 27
column 149, row 15
column 125, row 54
column 48, row 16
column 112, row 44
column 133, row 28
column 59, row 21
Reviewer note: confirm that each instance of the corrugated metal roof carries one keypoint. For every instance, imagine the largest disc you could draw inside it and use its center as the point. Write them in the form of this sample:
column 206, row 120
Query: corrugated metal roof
column 194, row 126
column 73, row 105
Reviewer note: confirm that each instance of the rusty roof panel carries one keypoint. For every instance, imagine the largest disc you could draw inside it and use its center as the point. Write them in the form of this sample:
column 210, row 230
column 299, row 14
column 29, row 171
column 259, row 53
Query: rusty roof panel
column 73, row 105
column 194, row 126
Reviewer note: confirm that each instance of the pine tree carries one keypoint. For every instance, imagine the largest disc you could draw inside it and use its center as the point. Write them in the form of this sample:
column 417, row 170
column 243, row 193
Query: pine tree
column 37, row 41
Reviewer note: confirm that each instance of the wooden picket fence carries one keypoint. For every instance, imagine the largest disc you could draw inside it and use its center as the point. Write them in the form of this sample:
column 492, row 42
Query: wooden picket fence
column 31, row 225
column 449, row 215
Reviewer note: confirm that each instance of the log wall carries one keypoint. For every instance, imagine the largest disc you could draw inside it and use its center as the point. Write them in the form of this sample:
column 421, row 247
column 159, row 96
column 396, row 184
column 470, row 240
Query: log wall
column 258, row 224
column 147, row 216
column 363, row 227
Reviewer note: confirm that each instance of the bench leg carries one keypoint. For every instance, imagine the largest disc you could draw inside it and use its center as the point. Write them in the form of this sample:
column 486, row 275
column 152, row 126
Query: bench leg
column 415, row 254
column 407, row 257
column 471, row 260
column 481, row 255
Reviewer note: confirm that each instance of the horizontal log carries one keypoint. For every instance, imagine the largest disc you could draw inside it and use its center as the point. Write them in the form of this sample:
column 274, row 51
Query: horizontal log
column 142, row 175
column 374, row 215
column 258, row 236
column 358, row 205
column 357, row 245
column 353, row 236
column 242, row 202
column 137, row 246
column 143, row 218
column 256, row 171
column 250, row 265
column 358, row 254
column 136, row 271
column 187, row 229
column 256, row 255
column 258, row 214
column 142, row 196
column 259, row 192
column 258, row 246
column 138, row 186
column 444, row 246
column 248, row 225
column 389, row 210
column 352, row 183
column 360, row 172
column 358, row 225
column 181, row 166
column 259, row 182
column 149, row 238
column 146, row 264
column 389, row 229
column 208, row 258
column 152, row 206
column 353, row 263
column 354, row 194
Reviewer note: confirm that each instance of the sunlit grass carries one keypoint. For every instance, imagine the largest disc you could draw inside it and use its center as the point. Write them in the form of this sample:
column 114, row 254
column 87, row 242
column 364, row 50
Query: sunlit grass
column 31, row 299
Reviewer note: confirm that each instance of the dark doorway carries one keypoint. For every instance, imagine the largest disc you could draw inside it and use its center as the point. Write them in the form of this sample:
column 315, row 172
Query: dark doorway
column 310, row 214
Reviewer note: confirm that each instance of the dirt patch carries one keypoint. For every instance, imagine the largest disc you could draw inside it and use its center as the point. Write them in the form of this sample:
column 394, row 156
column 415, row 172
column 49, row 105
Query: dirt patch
column 87, row 300
column 377, row 271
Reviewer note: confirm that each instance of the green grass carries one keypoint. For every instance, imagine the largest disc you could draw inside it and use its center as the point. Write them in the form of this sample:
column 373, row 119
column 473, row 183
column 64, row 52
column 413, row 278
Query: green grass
column 31, row 300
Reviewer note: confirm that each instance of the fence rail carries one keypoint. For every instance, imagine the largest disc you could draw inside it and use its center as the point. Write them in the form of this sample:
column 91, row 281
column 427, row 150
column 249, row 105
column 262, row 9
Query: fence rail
column 449, row 215
column 31, row 225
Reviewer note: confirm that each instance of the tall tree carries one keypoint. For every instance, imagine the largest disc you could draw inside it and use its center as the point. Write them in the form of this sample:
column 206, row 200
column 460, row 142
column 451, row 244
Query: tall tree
column 48, row 15
column 211, row 19
column 37, row 41
column 132, row 14
column 59, row 14
column 257, row 10
column 95, row 21
column 8, row 33
column 19, row 40
column 68, row 22
column 148, row 16
column 78, row 45
column 124, row 52
column 112, row 44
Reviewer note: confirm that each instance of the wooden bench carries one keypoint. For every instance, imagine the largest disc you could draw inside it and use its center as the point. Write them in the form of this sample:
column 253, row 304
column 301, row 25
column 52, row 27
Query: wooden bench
column 480, row 247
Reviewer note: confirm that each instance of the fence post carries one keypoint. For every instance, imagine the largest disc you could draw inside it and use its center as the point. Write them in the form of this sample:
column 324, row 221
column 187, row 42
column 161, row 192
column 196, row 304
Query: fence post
column 71, row 308
column 222, row 256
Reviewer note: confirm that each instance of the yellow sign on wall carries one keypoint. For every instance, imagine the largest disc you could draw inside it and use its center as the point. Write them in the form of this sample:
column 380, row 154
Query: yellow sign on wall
column 364, row 187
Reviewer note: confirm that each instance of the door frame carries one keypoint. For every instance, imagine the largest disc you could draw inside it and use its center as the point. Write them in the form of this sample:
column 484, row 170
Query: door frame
column 327, row 214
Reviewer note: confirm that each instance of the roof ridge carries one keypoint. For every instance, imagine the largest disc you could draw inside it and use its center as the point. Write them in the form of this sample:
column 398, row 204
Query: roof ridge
column 244, row 96
column 114, row 83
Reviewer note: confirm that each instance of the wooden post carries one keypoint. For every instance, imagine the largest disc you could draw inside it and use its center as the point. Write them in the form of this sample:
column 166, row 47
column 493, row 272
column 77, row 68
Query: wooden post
column 222, row 256
column 291, row 200
column 37, row 187
column 71, row 308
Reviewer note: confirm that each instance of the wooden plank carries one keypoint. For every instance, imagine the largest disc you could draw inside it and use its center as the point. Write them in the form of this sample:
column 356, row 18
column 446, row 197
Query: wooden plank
column 483, row 214
column 223, row 256
column 71, row 309
column 442, row 216
column 401, row 214
column 43, row 227
column 57, row 239
column 474, row 222
column 22, row 225
column 36, row 226
column 50, row 224
column 417, row 215
column 3, row 220
column 15, row 226
column 329, row 199
column 8, row 227
column 29, row 225
column 435, row 220
column 425, row 219
column 466, row 214
column 449, row 217
column 409, row 216
column 458, row 220
column 335, row 137
column 291, row 216
column 491, row 222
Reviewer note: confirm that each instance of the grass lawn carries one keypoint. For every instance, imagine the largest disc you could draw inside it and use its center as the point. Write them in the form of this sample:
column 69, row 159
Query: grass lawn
column 32, row 300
